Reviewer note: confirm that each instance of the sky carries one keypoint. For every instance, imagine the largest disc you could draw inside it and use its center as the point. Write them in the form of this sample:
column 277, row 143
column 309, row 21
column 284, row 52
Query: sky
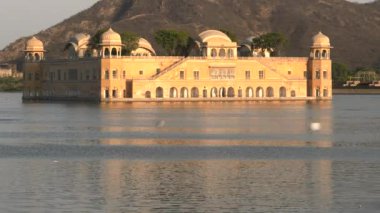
column 27, row 17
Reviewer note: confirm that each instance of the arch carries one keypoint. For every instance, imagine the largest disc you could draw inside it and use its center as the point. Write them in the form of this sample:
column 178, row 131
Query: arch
column 213, row 53
column 148, row 94
column 114, row 52
column 37, row 57
column 30, row 57
column 270, row 92
column 194, row 92
column 222, row 92
column 240, row 93
column 214, row 92
column 159, row 92
column 205, row 93
column 106, row 52
column 317, row 54
column 259, row 92
column 324, row 54
column 282, row 92
column 222, row 53
column 184, row 92
column 173, row 92
column 249, row 92
column 230, row 53
column 231, row 92
column 293, row 94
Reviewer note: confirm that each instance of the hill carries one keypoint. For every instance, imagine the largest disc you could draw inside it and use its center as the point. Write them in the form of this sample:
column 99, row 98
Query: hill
column 353, row 28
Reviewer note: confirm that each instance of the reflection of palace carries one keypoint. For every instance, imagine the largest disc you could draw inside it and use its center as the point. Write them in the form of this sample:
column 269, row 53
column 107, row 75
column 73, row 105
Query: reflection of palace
column 213, row 72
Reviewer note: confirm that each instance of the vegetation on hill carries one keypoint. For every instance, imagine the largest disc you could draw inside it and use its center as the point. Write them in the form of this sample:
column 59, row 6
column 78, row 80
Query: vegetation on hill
column 10, row 84
column 130, row 42
column 174, row 42
column 354, row 28
column 273, row 42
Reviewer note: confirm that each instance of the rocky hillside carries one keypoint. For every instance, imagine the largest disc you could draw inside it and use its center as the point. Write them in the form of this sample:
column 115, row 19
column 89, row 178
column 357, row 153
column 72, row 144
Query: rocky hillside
column 353, row 28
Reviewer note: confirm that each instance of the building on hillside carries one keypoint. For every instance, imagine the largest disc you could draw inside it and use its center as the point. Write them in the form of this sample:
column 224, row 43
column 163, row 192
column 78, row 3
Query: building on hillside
column 217, row 72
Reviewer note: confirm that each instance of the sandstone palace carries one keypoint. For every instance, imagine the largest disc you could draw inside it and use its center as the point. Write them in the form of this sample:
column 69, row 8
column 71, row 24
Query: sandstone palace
column 216, row 70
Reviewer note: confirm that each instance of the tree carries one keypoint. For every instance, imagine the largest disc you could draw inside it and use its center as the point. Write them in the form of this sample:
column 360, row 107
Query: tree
column 273, row 42
column 96, row 39
column 340, row 74
column 173, row 42
column 130, row 41
column 230, row 34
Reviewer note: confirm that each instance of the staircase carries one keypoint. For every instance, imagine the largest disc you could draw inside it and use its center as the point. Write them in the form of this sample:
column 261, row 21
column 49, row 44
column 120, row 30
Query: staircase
column 266, row 64
column 169, row 68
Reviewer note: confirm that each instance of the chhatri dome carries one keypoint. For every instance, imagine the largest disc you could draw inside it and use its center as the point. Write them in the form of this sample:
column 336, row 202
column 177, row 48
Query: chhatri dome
column 210, row 34
column 34, row 45
column 111, row 38
column 321, row 40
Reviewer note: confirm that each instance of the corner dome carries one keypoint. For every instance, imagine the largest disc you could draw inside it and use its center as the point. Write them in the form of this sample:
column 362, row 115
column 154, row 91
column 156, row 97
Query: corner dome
column 110, row 38
column 210, row 34
column 321, row 40
column 143, row 43
column 34, row 45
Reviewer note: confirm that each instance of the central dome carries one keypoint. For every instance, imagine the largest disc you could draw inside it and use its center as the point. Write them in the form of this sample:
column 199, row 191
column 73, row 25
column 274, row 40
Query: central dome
column 110, row 38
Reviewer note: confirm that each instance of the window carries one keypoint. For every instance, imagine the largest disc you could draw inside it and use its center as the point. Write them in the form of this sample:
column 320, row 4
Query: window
column 158, row 70
column 107, row 75
column 261, row 74
column 318, row 75
column 114, row 74
column 141, row 72
column 196, row 75
column 114, row 93
column 305, row 74
column 124, row 74
column 230, row 53
column 182, row 75
column 213, row 53
column 222, row 73
column 80, row 76
column 37, row 77
column 73, row 74
column 325, row 74
column 325, row 93
column 247, row 75
column 107, row 93
column 87, row 75
column 289, row 72
column 222, row 53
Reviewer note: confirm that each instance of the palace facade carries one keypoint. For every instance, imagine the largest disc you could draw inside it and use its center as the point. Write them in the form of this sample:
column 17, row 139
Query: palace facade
column 215, row 71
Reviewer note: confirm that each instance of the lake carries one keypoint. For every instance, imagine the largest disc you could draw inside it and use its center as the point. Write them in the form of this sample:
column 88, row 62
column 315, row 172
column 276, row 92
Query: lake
column 190, row 157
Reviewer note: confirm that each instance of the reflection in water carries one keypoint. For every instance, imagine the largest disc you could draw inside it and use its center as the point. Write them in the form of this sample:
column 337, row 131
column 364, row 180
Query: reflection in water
column 207, row 157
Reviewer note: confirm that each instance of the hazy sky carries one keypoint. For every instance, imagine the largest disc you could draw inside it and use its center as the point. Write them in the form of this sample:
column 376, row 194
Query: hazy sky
column 27, row 17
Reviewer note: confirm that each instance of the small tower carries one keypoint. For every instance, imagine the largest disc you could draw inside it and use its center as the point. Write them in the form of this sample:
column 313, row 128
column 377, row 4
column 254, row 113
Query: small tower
column 319, row 68
column 34, row 50
column 110, row 44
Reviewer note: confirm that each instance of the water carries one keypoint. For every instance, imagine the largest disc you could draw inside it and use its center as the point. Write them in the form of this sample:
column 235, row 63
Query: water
column 190, row 157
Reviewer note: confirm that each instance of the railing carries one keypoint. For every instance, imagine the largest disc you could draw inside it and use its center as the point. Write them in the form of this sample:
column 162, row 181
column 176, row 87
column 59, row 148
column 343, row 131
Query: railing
column 167, row 69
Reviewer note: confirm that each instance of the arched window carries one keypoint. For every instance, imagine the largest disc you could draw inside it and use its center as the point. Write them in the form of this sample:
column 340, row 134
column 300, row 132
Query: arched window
column 270, row 92
column 184, row 93
column 222, row 53
column 325, row 93
column 259, row 92
column 194, row 92
column 282, row 92
column 205, row 93
column 37, row 57
column 214, row 93
column 147, row 94
column 324, row 54
column 317, row 54
column 230, row 53
column 106, row 52
column 114, row 52
column 293, row 93
column 159, row 92
column 222, row 92
column 213, row 53
column 173, row 93
column 231, row 92
column 249, row 92
column 107, row 74
column 240, row 93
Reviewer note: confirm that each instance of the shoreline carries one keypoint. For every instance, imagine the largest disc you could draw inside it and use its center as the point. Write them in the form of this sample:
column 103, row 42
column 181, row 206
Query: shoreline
column 356, row 91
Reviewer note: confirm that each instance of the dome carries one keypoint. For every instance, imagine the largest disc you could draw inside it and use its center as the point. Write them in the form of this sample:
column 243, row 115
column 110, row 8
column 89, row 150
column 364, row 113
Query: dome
column 34, row 45
column 209, row 34
column 321, row 40
column 143, row 43
column 111, row 37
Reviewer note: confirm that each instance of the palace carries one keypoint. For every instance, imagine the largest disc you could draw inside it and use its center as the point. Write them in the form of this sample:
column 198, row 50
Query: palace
column 216, row 70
